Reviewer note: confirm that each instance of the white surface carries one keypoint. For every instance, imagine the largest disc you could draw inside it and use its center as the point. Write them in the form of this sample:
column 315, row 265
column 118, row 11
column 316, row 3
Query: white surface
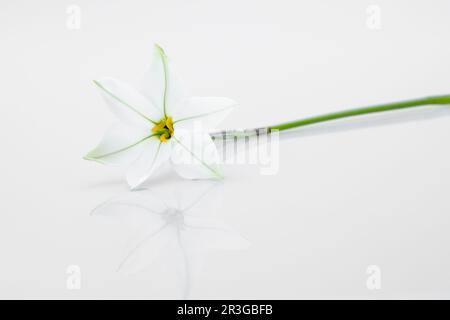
column 339, row 203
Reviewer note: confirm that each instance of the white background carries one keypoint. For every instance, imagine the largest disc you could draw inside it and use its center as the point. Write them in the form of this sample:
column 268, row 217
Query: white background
column 340, row 202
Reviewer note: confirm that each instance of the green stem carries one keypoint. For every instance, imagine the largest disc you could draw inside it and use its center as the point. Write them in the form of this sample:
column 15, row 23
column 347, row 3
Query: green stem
column 361, row 111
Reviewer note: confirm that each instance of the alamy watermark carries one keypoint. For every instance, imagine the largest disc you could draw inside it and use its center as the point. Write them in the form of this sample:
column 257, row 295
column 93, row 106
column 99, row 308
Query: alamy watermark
column 373, row 281
column 73, row 281
column 73, row 21
column 235, row 147
column 373, row 21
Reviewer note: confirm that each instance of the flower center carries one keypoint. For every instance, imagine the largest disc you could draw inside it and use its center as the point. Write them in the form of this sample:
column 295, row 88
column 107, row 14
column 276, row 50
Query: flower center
column 164, row 129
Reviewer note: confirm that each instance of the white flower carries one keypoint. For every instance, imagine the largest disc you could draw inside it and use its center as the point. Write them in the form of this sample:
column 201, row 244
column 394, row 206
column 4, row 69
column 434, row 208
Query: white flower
column 157, row 126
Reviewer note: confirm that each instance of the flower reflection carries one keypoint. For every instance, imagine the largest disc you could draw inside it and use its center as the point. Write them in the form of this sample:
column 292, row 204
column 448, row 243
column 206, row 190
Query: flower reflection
column 176, row 224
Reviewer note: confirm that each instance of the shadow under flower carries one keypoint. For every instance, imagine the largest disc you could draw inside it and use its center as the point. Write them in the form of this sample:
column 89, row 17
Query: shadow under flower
column 175, row 222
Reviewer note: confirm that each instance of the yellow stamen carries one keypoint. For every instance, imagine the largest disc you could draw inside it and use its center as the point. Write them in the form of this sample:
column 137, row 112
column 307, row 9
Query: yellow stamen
column 159, row 126
column 163, row 137
column 164, row 129
column 169, row 124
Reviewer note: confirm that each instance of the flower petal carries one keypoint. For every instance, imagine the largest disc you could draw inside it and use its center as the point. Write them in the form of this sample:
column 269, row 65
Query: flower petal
column 195, row 156
column 154, row 155
column 121, row 145
column 161, row 84
column 209, row 110
column 127, row 103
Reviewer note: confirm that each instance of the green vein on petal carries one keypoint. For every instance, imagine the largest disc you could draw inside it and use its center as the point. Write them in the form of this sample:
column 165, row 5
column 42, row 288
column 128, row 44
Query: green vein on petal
column 91, row 155
column 98, row 84
column 153, row 163
column 218, row 175
column 164, row 62
column 204, row 114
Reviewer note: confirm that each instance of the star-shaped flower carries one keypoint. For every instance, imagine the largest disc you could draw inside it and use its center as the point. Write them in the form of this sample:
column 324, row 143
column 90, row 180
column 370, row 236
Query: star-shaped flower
column 159, row 124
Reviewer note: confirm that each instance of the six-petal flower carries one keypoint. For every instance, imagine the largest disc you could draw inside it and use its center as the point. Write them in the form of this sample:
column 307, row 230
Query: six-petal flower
column 158, row 125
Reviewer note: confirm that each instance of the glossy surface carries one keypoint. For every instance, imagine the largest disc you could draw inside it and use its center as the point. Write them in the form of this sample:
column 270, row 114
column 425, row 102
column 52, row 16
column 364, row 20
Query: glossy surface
column 336, row 201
